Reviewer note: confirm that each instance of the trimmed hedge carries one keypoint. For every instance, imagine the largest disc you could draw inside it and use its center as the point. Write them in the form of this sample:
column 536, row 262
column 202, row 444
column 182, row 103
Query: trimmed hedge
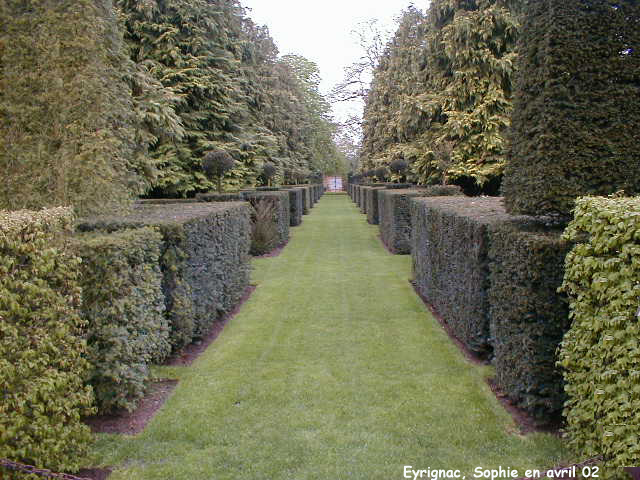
column 296, row 203
column 283, row 211
column 449, row 247
column 394, row 213
column 220, row 197
column 42, row 350
column 372, row 205
column 123, row 305
column 528, row 315
column 204, row 259
column 576, row 111
column 601, row 352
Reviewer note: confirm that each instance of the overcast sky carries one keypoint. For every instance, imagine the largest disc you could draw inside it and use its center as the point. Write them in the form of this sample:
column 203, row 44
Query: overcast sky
column 321, row 30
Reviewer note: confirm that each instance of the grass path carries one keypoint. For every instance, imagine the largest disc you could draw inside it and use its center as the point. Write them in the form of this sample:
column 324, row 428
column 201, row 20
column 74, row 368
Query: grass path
column 333, row 370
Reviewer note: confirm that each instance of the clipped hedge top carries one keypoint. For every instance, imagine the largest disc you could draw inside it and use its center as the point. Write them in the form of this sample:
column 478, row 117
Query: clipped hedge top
column 486, row 210
column 160, row 214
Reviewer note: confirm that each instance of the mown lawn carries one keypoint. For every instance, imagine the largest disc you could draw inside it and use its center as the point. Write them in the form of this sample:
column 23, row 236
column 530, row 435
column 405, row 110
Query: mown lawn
column 334, row 369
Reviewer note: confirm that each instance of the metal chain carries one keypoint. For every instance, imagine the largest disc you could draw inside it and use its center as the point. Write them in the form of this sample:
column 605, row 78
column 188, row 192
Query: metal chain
column 42, row 472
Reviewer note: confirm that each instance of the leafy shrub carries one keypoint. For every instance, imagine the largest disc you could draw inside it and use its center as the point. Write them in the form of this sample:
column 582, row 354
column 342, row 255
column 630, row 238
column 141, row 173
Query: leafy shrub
column 42, row 351
column 124, row 306
column 394, row 214
column 600, row 354
column 372, row 205
column 528, row 316
column 280, row 218
column 577, row 105
column 204, row 259
column 268, row 173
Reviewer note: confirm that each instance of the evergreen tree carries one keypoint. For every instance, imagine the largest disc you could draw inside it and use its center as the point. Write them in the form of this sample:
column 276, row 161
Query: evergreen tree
column 70, row 134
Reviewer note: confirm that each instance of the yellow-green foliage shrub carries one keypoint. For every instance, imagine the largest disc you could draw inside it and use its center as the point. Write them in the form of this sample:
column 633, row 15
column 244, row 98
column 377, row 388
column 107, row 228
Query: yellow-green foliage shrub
column 123, row 305
column 42, row 350
column 601, row 352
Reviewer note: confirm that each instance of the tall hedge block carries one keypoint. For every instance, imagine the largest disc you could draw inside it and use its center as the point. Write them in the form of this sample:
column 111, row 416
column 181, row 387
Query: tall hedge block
column 576, row 119
column 283, row 210
column 394, row 213
column 528, row 317
column 372, row 205
column 42, row 350
column 449, row 248
column 600, row 354
column 219, row 197
column 123, row 305
column 204, row 259
column 296, row 205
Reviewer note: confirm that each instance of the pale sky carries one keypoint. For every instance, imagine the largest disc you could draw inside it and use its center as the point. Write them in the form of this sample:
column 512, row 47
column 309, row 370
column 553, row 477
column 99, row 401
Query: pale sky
column 321, row 30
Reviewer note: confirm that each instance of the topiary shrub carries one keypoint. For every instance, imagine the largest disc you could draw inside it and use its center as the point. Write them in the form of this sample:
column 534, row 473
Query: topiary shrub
column 123, row 305
column 394, row 214
column 216, row 164
column 577, row 105
column 43, row 362
column 268, row 173
column 528, row 317
column 600, row 354
column 372, row 205
column 204, row 259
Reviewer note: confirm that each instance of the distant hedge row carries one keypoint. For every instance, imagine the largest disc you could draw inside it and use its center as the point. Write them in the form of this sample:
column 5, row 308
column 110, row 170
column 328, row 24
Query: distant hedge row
column 492, row 277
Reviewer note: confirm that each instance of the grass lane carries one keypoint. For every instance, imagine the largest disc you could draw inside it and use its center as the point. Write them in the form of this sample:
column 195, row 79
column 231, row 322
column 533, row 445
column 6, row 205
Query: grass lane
column 333, row 369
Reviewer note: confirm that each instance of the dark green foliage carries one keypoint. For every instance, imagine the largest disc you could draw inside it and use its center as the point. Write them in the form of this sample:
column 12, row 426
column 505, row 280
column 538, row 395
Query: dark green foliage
column 382, row 174
column 577, row 107
column 70, row 131
column 281, row 217
column 449, row 248
column 123, row 305
column 204, row 259
column 306, row 197
column 394, row 214
column 528, row 316
column 600, row 354
column 165, row 201
column 296, row 203
column 216, row 164
column 267, row 189
column 264, row 228
column 42, row 351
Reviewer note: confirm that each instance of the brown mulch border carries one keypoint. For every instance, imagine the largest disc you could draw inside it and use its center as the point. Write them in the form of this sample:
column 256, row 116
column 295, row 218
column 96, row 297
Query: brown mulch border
column 525, row 422
column 132, row 423
column 188, row 355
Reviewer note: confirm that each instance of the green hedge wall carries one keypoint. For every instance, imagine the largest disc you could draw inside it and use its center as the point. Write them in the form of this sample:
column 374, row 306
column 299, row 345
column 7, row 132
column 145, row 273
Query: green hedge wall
column 123, row 305
column 449, row 248
column 204, row 259
column 42, row 351
column 576, row 106
column 394, row 214
column 372, row 205
column 220, row 197
column 600, row 354
column 363, row 200
column 528, row 317
column 283, row 211
column 296, row 203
